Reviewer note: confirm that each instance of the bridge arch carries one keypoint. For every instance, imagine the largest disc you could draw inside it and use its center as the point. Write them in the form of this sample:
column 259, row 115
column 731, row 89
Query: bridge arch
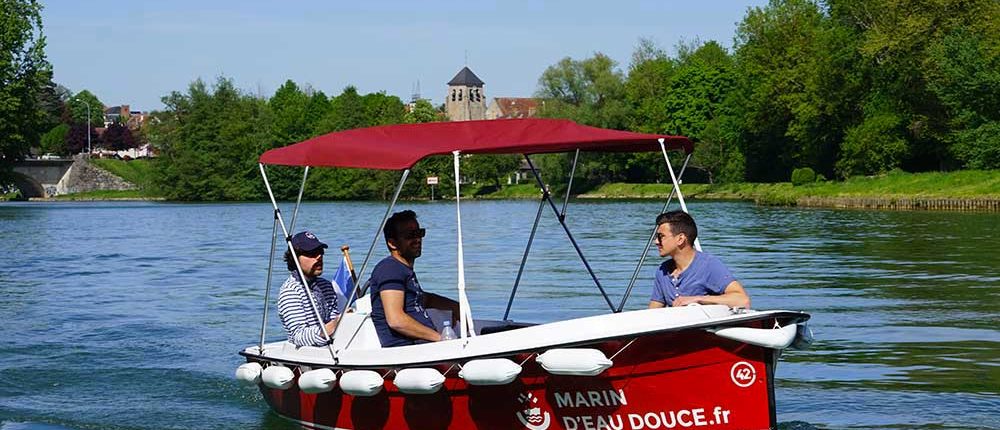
column 28, row 186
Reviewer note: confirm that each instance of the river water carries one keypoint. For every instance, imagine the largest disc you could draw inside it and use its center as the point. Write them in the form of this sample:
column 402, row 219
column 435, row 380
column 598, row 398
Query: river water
column 130, row 315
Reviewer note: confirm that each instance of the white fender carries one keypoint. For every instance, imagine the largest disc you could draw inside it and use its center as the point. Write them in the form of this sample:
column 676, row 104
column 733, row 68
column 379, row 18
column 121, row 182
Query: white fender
column 493, row 371
column 774, row 338
column 574, row 361
column 317, row 381
column 361, row 383
column 279, row 377
column 419, row 380
column 249, row 374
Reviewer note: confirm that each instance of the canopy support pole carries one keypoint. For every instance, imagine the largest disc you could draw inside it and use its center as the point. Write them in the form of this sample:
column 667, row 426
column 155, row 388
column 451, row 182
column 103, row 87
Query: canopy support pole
column 649, row 243
column 298, row 267
column 555, row 210
column 392, row 204
column 298, row 201
column 524, row 258
column 677, row 184
column 569, row 187
column 464, row 308
column 267, row 288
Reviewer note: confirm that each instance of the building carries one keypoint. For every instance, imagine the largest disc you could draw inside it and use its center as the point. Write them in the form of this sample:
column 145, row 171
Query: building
column 466, row 98
column 512, row 107
column 132, row 119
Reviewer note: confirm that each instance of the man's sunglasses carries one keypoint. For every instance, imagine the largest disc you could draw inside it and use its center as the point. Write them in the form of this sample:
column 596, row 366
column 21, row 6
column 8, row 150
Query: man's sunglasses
column 415, row 234
column 312, row 254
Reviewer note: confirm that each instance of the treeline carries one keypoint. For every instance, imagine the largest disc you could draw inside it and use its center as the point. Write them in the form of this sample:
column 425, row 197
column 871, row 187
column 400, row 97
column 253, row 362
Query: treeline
column 845, row 87
column 209, row 140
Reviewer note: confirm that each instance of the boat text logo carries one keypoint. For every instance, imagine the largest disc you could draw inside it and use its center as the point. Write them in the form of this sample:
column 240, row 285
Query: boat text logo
column 532, row 417
column 743, row 374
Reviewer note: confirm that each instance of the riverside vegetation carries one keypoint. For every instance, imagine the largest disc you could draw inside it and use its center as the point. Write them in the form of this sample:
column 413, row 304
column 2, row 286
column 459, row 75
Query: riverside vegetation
column 849, row 89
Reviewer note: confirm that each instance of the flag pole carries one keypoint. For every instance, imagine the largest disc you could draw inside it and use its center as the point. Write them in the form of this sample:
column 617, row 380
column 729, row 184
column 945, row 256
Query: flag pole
column 346, row 250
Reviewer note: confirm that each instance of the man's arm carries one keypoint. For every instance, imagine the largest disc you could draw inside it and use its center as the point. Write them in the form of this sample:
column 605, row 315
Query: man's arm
column 734, row 296
column 398, row 320
column 653, row 304
column 434, row 301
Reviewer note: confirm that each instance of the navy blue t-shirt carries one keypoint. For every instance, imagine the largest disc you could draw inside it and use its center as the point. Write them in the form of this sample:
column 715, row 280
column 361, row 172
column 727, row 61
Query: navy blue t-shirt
column 390, row 274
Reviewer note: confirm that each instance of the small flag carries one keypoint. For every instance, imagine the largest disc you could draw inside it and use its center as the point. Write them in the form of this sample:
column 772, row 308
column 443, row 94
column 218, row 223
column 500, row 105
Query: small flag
column 345, row 284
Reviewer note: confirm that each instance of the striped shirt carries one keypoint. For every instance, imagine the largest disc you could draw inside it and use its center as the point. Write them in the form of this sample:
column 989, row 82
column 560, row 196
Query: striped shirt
column 297, row 315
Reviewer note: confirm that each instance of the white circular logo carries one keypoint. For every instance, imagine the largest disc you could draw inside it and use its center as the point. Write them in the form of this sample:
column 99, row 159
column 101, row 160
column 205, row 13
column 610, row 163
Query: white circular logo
column 743, row 374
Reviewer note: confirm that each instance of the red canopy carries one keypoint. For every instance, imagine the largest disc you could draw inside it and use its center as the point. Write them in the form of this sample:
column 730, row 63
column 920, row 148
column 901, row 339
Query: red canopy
column 395, row 147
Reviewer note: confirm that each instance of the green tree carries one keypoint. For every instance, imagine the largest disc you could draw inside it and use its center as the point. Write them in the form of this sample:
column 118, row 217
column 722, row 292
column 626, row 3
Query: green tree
column 347, row 111
column 898, row 40
column 964, row 72
column 77, row 107
column 24, row 72
column 209, row 141
column 422, row 111
column 382, row 109
column 795, row 90
column 54, row 141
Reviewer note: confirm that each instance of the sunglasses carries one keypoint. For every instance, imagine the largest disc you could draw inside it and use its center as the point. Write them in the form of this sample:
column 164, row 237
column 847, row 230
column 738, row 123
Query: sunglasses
column 415, row 234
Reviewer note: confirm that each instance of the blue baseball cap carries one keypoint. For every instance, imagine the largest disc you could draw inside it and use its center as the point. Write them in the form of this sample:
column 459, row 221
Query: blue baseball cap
column 306, row 241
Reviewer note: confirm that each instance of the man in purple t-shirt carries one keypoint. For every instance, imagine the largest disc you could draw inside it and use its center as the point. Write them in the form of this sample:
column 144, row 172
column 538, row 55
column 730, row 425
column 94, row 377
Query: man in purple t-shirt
column 398, row 302
column 690, row 276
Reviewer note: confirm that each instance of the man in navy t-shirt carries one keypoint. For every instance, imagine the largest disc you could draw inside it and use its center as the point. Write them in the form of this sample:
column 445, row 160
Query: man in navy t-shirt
column 398, row 303
column 690, row 276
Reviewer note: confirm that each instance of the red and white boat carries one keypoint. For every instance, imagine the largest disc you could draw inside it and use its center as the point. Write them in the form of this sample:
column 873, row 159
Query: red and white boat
column 697, row 366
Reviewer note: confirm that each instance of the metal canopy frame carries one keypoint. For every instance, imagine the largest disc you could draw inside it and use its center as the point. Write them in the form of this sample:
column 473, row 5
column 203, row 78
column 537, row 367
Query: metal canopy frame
column 467, row 328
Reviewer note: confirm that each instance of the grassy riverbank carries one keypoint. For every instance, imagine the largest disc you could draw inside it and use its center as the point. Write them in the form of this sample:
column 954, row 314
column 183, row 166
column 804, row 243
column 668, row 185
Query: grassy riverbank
column 968, row 184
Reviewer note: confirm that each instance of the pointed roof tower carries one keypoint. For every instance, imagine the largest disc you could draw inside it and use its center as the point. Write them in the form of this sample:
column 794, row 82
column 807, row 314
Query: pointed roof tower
column 467, row 78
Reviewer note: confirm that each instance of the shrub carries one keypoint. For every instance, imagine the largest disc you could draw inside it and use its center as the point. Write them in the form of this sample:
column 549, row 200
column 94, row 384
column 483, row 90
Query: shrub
column 804, row 175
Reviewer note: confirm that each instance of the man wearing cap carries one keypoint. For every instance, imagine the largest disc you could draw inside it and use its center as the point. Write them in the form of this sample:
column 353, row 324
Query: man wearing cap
column 293, row 304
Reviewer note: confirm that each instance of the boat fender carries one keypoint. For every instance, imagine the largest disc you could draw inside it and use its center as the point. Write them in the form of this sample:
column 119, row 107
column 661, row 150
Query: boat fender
column 777, row 338
column 574, row 361
column 803, row 337
column 317, row 381
column 493, row 371
column 279, row 377
column 419, row 380
column 249, row 374
column 361, row 383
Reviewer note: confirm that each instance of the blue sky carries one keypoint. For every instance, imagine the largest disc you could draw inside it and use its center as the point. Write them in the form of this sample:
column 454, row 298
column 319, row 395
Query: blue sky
column 135, row 52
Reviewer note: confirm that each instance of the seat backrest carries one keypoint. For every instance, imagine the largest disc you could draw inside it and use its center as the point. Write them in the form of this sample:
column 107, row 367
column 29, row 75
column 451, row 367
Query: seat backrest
column 356, row 332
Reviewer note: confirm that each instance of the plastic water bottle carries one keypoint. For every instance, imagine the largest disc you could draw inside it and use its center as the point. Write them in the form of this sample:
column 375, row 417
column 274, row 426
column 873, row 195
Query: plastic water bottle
column 447, row 333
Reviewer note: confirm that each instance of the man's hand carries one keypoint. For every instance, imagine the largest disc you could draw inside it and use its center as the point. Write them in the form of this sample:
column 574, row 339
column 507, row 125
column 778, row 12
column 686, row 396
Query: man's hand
column 687, row 300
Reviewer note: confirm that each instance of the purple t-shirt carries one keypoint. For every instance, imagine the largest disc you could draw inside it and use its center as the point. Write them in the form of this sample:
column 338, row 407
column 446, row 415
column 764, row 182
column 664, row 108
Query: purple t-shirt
column 705, row 276
column 390, row 274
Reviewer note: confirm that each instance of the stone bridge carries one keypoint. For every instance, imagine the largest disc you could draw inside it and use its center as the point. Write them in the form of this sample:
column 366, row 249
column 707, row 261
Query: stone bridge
column 56, row 176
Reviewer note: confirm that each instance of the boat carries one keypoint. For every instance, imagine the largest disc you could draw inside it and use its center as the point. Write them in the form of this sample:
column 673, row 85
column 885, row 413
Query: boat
column 698, row 366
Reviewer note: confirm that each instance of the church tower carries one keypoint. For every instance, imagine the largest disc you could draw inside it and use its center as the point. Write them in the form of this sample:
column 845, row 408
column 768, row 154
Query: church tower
column 465, row 99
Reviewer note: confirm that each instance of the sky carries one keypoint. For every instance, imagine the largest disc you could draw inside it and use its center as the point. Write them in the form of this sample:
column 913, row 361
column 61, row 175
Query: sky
column 135, row 52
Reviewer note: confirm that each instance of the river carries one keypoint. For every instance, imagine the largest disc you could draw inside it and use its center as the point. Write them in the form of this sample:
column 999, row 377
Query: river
column 130, row 315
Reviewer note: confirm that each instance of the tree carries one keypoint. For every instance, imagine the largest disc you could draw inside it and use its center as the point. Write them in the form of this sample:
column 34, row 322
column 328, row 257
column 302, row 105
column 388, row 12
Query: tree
column 796, row 91
column 76, row 140
column 422, row 111
column 77, row 108
column 347, row 111
column 118, row 137
column 209, row 141
column 23, row 74
column 382, row 109
column 54, row 141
